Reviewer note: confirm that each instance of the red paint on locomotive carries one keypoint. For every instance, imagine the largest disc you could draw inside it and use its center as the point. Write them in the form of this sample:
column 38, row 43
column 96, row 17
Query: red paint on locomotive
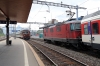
column 63, row 32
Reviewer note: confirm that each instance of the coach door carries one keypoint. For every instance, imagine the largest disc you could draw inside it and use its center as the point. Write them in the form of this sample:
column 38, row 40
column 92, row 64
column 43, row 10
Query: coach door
column 95, row 35
column 87, row 34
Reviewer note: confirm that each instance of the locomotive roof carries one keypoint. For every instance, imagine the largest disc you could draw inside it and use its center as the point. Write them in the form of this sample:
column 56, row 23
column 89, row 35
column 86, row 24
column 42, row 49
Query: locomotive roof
column 66, row 22
column 74, row 21
column 46, row 26
column 93, row 16
column 25, row 30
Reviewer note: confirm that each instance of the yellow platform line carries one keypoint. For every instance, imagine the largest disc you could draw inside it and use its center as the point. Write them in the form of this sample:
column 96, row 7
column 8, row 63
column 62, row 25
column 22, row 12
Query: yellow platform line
column 36, row 56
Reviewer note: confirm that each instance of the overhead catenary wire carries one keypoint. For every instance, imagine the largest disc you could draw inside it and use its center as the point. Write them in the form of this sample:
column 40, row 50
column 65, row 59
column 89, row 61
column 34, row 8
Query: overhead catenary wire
column 61, row 14
column 38, row 11
column 91, row 9
column 83, row 2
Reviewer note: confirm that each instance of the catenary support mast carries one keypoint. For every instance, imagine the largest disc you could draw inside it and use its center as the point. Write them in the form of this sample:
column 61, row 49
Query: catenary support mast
column 59, row 5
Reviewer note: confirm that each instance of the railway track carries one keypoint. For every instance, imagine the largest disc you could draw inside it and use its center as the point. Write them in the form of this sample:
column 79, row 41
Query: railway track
column 56, row 57
column 89, row 52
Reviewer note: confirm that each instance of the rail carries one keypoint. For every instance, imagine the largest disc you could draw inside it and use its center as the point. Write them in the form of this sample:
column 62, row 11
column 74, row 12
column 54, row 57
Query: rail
column 74, row 60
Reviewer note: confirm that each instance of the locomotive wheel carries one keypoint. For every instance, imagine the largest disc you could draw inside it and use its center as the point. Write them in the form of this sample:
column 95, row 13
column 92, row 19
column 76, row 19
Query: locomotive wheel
column 83, row 47
column 80, row 46
column 62, row 44
column 76, row 46
column 54, row 42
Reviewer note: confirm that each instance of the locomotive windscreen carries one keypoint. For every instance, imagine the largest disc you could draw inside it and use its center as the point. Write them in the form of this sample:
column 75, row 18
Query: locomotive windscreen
column 25, row 32
column 75, row 26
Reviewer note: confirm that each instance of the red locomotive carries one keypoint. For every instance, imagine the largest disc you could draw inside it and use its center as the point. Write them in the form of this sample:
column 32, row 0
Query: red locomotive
column 25, row 34
column 68, row 32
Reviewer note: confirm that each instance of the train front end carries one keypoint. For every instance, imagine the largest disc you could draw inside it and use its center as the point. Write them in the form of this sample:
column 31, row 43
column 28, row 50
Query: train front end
column 26, row 34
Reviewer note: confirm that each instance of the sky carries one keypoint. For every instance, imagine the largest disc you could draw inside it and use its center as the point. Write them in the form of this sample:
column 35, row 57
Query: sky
column 39, row 12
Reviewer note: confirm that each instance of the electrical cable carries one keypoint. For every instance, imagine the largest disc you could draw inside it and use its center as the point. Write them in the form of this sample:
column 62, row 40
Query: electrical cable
column 83, row 2
column 38, row 11
column 60, row 14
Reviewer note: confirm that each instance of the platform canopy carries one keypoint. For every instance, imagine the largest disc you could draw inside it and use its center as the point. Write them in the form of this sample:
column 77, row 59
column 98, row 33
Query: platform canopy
column 16, row 10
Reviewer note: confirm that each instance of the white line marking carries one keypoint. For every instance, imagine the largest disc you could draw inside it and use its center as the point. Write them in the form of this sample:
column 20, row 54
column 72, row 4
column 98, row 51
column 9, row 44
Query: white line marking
column 36, row 56
column 25, row 55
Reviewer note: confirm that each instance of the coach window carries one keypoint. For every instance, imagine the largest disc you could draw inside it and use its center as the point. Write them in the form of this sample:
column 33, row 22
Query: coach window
column 51, row 29
column 95, row 28
column 71, row 26
column 58, row 28
column 86, row 29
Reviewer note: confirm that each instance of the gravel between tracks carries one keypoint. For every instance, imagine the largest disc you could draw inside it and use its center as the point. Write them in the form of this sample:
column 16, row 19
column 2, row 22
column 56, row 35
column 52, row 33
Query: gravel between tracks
column 89, row 60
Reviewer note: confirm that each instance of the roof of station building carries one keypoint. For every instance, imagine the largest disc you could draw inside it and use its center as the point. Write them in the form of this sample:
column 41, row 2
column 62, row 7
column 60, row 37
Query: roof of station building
column 16, row 10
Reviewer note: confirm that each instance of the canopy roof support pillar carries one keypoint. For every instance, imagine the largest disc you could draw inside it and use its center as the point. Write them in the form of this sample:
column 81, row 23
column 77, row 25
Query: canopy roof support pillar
column 7, row 31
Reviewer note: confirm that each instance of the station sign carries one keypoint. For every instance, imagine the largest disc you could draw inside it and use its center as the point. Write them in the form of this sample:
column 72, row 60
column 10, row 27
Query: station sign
column 10, row 22
column 13, row 22
column 15, row 30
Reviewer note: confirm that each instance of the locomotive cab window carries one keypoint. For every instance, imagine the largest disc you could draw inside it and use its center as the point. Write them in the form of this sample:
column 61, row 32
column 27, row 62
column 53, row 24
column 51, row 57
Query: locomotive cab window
column 77, row 26
column 95, row 28
column 58, row 28
column 86, row 29
column 72, row 26
column 25, row 32
column 51, row 29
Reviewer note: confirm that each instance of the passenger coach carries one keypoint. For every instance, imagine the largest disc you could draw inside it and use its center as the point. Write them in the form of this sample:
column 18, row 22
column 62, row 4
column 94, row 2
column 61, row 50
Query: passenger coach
column 91, row 30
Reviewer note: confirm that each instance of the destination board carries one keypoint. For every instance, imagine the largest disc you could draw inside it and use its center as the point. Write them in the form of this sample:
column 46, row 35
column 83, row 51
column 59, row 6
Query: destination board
column 10, row 22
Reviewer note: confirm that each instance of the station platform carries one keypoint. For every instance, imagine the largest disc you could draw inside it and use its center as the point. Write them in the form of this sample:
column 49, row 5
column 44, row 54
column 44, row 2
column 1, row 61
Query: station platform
column 18, row 54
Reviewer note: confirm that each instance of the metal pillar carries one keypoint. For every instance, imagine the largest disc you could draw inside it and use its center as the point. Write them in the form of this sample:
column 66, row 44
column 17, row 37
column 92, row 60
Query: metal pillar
column 77, row 12
column 15, row 31
column 7, row 31
column 30, row 27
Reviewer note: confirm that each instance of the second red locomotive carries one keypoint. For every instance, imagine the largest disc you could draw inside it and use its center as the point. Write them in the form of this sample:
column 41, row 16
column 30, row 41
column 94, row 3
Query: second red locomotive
column 25, row 34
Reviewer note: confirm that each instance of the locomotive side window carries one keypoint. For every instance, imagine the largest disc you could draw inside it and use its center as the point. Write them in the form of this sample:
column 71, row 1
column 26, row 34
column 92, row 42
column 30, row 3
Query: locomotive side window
column 72, row 26
column 95, row 28
column 58, row 28
column 77, row 26
column 86, row 29
column 51, row 29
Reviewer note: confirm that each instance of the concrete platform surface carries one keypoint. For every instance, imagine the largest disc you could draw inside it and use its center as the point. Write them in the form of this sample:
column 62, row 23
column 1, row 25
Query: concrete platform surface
column 18, row 54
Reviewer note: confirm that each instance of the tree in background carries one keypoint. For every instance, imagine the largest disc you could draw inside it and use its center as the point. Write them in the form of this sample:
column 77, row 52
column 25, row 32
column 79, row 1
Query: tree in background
column 39, row 31
column 1, row 32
